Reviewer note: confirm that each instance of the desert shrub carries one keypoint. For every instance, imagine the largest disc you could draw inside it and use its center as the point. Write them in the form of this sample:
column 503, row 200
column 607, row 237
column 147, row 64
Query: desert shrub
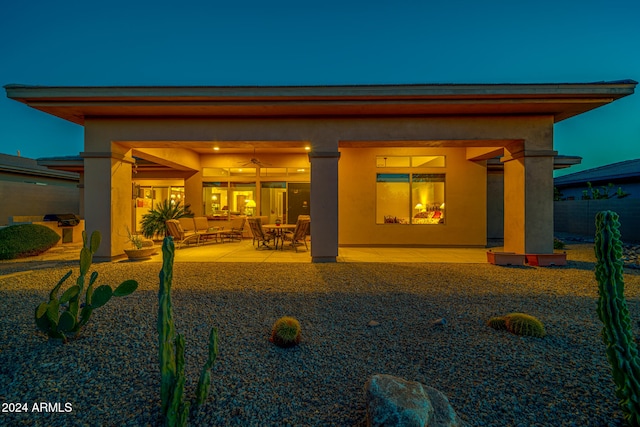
column 24, row 240
column 285, row 332
column 558, row 244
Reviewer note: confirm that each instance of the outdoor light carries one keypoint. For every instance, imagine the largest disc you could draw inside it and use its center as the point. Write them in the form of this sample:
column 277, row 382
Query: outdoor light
column 216, row 148
column 307, row 148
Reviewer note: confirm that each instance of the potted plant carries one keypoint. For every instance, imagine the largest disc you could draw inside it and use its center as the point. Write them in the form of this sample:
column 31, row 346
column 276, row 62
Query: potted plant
column 142, row 248
column 154, row 222
column 505, row 258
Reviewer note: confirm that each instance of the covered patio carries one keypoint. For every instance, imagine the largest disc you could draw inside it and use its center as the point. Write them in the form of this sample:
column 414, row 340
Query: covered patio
column 342, row 132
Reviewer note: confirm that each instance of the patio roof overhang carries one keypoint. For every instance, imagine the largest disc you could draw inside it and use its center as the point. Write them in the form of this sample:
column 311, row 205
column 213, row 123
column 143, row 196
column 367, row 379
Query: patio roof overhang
column 561, row 101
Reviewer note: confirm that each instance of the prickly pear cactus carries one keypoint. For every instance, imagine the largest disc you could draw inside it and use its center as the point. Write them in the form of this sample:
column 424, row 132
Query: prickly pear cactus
column 175, row 411
column 617, row 334
column 62, row 317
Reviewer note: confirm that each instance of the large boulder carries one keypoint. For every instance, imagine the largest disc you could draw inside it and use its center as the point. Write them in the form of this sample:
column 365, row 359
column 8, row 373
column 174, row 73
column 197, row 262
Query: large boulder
column 393, row 401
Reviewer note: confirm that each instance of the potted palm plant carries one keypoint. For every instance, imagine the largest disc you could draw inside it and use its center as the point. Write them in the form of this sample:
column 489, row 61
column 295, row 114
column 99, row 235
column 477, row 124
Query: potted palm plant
column 154, row 222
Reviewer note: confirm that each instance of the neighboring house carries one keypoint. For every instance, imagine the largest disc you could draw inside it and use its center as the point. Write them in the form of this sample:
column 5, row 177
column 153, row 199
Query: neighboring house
column 614, row 187
column 623, row 175
column 30, row 190
column 379, row 165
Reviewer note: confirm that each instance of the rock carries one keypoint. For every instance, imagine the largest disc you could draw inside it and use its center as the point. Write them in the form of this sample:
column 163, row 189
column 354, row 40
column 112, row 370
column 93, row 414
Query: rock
column 373, row 324
column 393, row 401
column 440, row 322
column 443, row 413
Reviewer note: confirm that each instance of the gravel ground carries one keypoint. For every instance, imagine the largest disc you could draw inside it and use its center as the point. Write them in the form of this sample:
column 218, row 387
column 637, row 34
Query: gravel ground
column 110, row 374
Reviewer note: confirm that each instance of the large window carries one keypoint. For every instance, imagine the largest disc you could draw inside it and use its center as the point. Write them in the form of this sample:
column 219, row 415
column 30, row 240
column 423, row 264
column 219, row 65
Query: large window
column 242, row 198
column 150, row 197
column 215, row 198
column 403, row 198
column 222, row 199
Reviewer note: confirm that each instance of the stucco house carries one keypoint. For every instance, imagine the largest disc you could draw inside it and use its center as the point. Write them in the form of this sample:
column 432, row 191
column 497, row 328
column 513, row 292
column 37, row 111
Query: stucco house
column 403, row 165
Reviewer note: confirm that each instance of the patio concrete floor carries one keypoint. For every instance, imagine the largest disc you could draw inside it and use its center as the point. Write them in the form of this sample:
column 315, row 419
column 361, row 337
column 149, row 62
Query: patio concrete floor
column 244, row 251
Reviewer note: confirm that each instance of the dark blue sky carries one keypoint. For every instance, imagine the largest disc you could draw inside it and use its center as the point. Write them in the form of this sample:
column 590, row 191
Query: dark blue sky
column 118, row 43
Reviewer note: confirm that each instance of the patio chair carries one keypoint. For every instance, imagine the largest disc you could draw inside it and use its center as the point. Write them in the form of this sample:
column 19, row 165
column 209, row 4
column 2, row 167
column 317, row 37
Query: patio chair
column 236, row 229
column 180, row 236
column 259, row 235
column 298, row 236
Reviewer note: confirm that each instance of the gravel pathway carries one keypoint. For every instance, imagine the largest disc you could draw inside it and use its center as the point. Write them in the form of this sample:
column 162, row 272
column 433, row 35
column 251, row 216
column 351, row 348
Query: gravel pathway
column 110, row 376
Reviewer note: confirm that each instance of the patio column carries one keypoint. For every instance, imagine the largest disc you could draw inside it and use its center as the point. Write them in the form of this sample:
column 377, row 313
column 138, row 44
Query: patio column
column 324, row 206
column 193, row 193
column 528, row 201
column 107, row 198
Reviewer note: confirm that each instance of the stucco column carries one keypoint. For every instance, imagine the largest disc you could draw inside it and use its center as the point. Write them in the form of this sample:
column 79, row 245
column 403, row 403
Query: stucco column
column 107, row 197
column 193, row 193
column 528, row 201
column 324, row 206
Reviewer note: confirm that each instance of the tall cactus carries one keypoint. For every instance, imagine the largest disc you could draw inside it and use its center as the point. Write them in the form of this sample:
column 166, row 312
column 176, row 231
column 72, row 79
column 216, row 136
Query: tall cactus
column 622, row 351
column 175, row 411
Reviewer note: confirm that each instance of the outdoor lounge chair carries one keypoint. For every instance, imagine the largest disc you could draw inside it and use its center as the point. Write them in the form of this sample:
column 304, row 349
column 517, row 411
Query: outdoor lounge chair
column 180, row 236
column 202, row 228
column 298, row 236
column 187, row 224
column 236, row 229
column 259, row 235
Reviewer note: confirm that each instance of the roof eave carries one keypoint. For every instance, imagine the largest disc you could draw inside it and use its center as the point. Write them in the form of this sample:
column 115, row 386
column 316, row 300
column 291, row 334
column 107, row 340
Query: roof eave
column 559, row 100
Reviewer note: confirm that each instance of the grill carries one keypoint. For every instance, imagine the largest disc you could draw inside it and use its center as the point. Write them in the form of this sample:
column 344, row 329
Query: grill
column 64, row 220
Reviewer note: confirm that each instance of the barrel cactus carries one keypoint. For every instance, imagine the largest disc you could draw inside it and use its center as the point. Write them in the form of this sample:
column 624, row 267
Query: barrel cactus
column 518, row 324
column 175, row 411
column 285, row 332
column 498, row 323
column 617, row 334
column 524, row 325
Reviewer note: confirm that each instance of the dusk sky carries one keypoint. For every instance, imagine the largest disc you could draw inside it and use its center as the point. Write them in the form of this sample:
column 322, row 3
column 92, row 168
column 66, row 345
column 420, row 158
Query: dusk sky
column 215, row 43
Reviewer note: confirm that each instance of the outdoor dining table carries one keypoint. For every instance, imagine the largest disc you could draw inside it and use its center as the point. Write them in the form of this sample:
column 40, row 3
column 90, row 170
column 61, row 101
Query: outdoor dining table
column 279, row 230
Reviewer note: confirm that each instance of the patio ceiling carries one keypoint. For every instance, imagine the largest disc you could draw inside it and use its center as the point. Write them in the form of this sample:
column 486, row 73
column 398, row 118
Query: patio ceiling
column 558, row 100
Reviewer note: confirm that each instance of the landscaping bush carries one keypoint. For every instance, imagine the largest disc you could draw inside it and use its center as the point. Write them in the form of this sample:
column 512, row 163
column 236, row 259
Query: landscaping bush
column 24, row 240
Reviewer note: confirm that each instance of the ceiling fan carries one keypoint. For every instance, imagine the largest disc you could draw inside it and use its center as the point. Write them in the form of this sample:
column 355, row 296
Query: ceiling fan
column 255, row 161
